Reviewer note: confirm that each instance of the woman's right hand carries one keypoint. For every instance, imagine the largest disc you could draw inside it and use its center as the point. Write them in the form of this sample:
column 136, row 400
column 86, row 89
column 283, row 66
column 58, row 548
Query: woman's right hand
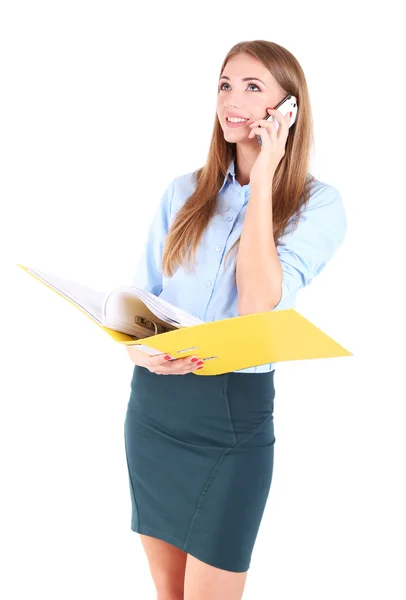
column 161, row 366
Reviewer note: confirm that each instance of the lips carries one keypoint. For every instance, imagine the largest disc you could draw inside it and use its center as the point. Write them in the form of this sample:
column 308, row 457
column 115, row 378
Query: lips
column 229, row 124
column 231, row 116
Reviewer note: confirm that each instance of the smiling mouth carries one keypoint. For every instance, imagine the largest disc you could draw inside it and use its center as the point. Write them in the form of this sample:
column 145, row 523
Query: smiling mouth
column 238, row 124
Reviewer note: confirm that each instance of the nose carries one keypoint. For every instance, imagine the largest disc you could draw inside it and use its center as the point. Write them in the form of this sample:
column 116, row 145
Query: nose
column 233, row 99
column 233, row 107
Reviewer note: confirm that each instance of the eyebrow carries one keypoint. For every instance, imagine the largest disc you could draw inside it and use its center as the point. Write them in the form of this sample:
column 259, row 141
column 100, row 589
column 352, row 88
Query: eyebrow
column 243, row 79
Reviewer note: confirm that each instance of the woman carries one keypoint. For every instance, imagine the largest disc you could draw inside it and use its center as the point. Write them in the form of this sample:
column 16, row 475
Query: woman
column 200, row 449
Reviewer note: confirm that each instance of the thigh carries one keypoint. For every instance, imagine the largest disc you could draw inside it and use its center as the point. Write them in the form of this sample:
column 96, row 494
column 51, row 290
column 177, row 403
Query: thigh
column 203, row 581
column 167, row 564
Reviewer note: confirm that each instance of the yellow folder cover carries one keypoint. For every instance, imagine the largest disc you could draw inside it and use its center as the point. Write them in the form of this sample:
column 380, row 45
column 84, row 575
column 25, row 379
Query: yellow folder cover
column 235, row 343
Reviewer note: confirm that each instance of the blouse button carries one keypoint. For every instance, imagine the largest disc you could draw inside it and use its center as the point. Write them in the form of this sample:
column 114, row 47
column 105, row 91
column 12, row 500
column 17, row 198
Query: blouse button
column 230, row 218
column 218, row 248
column 207, row 283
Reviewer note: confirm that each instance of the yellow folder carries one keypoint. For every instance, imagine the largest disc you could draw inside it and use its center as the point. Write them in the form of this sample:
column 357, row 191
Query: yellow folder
column 226, row 345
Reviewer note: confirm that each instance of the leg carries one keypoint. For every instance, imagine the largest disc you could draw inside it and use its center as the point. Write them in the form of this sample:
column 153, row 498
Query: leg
column 205, row 582
column 167, row 565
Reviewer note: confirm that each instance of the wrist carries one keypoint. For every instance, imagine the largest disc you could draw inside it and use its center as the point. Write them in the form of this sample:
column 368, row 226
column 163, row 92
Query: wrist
column 261, row 189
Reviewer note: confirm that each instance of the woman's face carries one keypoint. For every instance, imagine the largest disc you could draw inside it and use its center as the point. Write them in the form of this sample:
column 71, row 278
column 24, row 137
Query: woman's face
column 249, row 99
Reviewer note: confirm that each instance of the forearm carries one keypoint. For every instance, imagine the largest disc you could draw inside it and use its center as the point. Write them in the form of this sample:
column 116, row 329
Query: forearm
column 259, row 272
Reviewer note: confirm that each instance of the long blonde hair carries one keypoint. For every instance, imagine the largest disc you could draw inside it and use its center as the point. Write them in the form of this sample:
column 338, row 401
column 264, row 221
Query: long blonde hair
column 291, row 181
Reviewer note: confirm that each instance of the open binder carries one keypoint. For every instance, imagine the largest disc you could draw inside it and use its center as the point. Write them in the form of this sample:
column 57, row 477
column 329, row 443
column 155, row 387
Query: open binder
column 132, row 316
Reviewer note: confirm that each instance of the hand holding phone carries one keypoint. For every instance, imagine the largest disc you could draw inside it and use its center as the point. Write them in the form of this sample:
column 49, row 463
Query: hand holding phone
column 288, row 104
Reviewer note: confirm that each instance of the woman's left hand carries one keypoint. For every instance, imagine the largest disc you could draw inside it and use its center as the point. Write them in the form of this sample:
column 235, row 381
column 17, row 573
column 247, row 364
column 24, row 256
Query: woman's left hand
column 272, row 149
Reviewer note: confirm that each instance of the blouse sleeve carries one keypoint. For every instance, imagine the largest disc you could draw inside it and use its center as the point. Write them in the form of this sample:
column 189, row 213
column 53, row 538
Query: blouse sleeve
column 148, row 274
column 305, row 251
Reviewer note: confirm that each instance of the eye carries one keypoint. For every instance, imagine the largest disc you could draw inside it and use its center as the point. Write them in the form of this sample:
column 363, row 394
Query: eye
column 225, row 83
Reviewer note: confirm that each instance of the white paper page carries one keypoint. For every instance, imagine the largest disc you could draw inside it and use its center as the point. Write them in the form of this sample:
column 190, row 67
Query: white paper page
column 93, row 303
column 165, row 310
column 90, row 300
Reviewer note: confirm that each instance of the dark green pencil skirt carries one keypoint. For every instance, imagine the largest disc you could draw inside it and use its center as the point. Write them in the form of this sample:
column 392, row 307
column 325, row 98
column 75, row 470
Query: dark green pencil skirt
column 200, row 459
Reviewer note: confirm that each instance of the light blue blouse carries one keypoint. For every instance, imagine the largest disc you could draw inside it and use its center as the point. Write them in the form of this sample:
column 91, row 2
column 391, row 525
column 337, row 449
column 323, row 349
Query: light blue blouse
column 210, row 293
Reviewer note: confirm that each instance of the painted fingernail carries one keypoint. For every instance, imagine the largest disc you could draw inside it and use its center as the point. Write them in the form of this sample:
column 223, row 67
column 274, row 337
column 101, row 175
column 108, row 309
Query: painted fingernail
column 201, row 362
column 166, row 357
column 199, row 368
column 194, row 359
column 270, row 109
column 291, row 114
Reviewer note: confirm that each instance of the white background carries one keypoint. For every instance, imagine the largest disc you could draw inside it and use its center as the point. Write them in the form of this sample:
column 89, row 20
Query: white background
column 102, row 104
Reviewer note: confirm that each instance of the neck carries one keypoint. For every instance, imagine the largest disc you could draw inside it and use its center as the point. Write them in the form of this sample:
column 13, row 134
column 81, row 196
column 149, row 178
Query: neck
column 244, row 161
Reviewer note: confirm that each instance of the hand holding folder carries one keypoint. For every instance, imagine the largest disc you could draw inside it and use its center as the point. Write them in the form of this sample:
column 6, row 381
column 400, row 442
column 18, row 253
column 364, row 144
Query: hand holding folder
column 131, row 316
